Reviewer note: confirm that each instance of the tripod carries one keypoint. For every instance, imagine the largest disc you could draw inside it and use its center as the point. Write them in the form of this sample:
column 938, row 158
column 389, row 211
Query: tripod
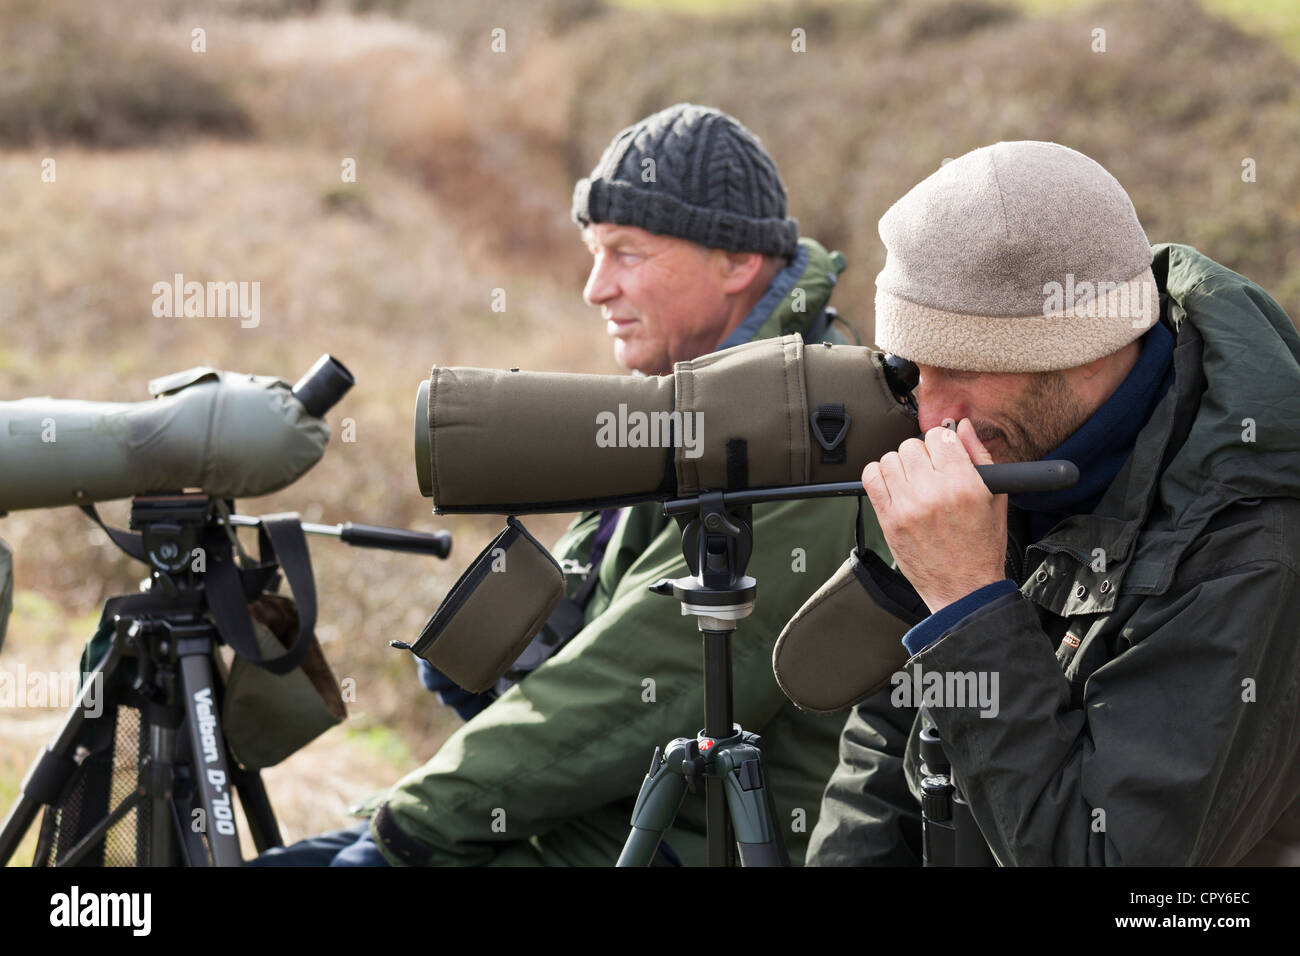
column 717, row 545
column 146, row 779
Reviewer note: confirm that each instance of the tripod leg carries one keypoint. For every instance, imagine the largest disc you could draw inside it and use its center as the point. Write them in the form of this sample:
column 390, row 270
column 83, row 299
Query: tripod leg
column 157, row 782
column 257, row 809
column 50, row 774
column 721, row 831
column 749, row 801
column 208, row 745
column 657, row 804
column 193, row 851
column 717, row 726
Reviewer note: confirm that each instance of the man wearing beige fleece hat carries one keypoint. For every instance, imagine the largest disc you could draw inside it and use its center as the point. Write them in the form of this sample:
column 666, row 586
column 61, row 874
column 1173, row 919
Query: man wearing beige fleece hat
column 1139, row 628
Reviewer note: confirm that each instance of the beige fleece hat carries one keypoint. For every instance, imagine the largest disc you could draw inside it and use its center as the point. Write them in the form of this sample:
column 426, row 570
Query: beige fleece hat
column 1017, row 257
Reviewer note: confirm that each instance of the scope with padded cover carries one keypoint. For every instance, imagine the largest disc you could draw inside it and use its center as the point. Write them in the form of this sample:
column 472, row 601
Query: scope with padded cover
column 766, row 414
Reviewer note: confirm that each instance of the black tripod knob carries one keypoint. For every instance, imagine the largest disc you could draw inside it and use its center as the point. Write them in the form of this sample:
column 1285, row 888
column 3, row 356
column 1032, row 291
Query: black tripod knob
column 932, row 754
column 936, row 799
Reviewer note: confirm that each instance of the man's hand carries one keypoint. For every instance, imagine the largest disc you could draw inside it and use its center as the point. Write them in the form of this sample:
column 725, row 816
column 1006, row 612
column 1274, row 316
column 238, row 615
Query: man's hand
column 947, row 533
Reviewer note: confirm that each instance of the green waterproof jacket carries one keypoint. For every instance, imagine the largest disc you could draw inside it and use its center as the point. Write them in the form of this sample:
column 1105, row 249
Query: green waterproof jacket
column 1149, row 667
column 548, row 773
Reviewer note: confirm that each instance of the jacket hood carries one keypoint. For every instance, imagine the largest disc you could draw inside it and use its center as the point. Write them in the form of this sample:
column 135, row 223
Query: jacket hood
column 811, row 292
column 1227, row 430
column 1246, row 433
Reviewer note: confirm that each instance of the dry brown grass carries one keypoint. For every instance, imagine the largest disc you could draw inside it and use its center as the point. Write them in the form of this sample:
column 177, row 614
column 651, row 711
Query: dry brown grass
column 466, row 162
column 85, row 73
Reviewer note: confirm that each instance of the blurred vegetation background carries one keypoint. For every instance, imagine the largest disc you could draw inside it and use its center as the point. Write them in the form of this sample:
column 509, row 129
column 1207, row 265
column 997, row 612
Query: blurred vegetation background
column 225, row 165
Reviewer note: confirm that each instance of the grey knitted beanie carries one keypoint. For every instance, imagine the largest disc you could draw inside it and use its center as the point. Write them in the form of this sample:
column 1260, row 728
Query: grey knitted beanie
column 695, row 173
column 1017, row 257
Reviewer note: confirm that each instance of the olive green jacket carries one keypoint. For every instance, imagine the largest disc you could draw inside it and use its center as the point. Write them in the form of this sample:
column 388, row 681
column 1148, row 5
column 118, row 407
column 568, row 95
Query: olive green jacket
column 548, row 773
column 1149, row 666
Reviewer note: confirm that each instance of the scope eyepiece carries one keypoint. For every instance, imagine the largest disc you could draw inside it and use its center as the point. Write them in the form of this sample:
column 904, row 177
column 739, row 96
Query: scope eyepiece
column 324, row 384
column 901, row 375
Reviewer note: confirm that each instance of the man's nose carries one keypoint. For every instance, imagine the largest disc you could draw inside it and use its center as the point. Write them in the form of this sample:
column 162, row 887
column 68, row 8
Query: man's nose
column 937, row 402
column 600, row 287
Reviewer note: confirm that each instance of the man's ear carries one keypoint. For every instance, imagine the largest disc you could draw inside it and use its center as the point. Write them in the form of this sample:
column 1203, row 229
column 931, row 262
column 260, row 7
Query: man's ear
column 1091, row 369
column 1124, row 360
column 738, row 270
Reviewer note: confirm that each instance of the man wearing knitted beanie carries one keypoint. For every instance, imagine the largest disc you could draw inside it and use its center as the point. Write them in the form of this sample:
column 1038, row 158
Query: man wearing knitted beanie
column 1133, row 638
column 685, row 217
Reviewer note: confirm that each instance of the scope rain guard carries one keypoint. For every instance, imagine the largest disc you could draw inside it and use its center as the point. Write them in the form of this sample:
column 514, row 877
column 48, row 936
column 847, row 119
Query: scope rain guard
column 846, row 641
column 493, row 611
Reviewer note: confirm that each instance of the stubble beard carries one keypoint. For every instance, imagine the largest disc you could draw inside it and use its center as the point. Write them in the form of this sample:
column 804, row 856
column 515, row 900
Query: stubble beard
column 1048, row 413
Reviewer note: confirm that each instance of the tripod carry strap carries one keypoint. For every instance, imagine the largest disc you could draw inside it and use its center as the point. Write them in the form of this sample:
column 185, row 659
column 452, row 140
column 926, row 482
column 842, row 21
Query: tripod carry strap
column 229, row 588
column 282, row 541
column 129, row 541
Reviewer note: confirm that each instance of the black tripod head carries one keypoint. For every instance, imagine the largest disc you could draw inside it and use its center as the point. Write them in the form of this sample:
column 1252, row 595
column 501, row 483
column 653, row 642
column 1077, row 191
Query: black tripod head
column 717, row 544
